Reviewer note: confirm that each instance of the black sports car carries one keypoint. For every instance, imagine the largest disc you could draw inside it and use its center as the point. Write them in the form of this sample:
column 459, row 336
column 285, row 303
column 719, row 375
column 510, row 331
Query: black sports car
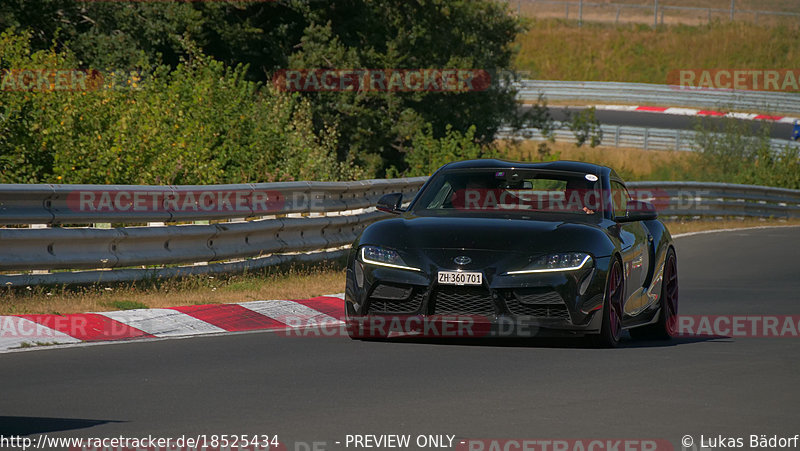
column 515, row 249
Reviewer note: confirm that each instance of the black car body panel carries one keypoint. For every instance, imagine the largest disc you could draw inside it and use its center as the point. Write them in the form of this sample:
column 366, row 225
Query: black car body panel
column 497, row 243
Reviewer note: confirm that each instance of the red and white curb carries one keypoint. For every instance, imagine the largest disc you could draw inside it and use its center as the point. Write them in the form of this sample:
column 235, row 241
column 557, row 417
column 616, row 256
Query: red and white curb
column 38, row 331
column 695, row 112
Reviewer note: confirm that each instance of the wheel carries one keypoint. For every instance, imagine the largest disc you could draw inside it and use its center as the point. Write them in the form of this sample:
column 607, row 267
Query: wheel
column 664, row 328
column 611, row 328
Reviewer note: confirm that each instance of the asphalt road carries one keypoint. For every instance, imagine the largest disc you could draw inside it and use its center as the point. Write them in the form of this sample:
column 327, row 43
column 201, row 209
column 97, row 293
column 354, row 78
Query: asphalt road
column 671, row 121
column 320, row 389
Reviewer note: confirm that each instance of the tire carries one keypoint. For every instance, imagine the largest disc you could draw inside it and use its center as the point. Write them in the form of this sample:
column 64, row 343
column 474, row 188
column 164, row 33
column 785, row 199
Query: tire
column 664, row 328
column 611, row 328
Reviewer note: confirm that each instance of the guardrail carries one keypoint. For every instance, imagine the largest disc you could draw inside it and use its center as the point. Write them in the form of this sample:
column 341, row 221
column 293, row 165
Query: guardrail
column 636, row 137
column 652, row 94
column 306, row 221
column 291, row 219
column 87, row 204
column 708, row 199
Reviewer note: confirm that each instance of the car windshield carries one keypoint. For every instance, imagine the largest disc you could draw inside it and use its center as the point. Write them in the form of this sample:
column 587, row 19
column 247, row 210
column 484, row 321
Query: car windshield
column 491, row 192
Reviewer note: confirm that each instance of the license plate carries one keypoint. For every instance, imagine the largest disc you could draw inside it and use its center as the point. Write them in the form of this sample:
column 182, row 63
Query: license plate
column 460, row 278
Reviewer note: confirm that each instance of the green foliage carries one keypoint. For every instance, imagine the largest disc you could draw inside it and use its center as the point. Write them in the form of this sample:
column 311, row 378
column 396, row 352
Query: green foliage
column 733, row 154
column 586, row 127
column 202, row 113
column 201, row 123
column 429, row 153
column 127, row 305
column 124, row 35
column 414, row 34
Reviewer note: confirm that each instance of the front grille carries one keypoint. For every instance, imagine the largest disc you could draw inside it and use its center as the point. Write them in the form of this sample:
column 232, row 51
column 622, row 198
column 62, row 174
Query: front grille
column 539, row 304
column 463, row 300
column 410, row 305
column 534, row 298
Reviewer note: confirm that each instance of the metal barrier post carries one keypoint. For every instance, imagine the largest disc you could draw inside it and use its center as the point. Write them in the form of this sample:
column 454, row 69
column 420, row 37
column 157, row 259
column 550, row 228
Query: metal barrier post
column 655, row 13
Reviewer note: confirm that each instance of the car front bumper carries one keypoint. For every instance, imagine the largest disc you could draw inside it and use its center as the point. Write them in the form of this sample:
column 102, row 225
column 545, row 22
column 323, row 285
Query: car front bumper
column 384, row 299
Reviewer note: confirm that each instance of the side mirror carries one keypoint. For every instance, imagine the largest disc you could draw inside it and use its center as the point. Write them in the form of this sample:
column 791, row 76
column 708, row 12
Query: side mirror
column 638, row 211
column 390, row 203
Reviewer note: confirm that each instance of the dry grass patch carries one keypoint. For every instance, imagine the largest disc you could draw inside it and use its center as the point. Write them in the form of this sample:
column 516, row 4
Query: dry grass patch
column 678, row 227
column 560, row 50
column 631, row 164
column 284, row 283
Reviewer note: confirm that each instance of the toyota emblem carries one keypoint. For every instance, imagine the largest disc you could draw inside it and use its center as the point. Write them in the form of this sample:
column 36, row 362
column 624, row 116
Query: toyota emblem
column 462, row 260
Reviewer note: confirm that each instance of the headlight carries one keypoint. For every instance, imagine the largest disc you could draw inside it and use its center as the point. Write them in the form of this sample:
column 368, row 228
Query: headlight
column 374, row 255
column 557, row 263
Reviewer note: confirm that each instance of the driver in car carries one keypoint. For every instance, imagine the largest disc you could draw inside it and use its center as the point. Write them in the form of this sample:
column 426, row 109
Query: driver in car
column 576, row 196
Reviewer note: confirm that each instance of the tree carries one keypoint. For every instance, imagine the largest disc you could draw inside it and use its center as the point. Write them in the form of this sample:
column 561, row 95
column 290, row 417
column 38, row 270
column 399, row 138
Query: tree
column 378, row 127
column 128, row 35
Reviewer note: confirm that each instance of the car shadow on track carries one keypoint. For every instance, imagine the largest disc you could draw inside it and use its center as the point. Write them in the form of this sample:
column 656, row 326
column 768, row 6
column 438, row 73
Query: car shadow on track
column 674, row 342
column 21, row 426
column 569, row 343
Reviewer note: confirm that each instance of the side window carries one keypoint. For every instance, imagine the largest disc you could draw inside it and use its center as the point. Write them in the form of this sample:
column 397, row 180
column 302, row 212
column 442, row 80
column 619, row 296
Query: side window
column 619, row 198
column 442, row 198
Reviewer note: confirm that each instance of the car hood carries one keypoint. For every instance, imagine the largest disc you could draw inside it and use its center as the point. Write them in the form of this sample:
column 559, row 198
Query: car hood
column 493, row 234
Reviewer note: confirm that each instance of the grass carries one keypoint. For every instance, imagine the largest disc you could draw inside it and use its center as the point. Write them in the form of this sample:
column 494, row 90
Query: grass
column 678, row 227
column 631, row 164
column 560, row 50
column 275, row 283
column 26, row 344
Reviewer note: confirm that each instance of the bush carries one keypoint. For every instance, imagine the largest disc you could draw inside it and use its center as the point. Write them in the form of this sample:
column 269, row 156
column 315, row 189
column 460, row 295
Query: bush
column 585, row 126
column 201, row 123
column 733, row 154
column 429, row 153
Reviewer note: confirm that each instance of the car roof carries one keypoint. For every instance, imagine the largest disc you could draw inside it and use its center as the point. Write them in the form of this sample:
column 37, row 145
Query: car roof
column 563, row 165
